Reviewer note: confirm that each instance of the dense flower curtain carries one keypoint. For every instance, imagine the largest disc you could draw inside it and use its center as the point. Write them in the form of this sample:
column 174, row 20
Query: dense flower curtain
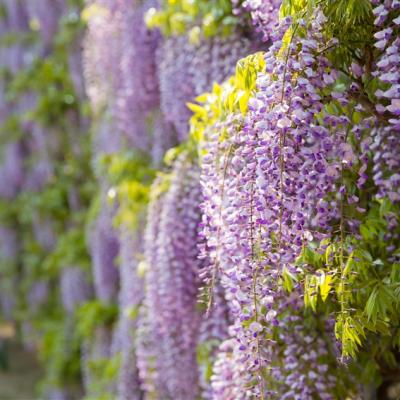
column 200, row 199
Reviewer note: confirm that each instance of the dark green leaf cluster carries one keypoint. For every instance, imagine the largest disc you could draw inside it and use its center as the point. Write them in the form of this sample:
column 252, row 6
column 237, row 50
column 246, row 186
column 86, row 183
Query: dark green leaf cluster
column 93, row 314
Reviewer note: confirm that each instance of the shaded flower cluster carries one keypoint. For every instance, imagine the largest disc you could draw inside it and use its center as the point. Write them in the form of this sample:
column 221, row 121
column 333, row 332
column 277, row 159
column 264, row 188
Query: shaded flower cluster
column 198, row 66
column 172, row 282
column 264, row 15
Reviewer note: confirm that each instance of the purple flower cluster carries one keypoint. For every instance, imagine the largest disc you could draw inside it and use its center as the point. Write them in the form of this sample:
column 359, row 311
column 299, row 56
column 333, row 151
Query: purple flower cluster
column 229, row 226
column 264, row 15
column 11, row 170
column 270, row 187
column 198, row 66
column 104, row 248
column 148, row 331
column 16, row 15
column 130, row 297
column 229, row 373
column 47, row 13
column 212, row 332
column 40, row 151
column 303, row 365
column 138, row 92
column 100, row 53
column 385, row 144
column 171, row 283
column 122, row 78
column 75, row 65
column 387, row 20
column 175, row 56
column 74, row 288
column 215, row 60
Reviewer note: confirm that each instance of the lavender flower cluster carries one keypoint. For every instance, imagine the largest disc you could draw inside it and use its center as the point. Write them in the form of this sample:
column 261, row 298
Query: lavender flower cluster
column 385, row 144
column 172, row 283
column 199, row 66
column 264, row 16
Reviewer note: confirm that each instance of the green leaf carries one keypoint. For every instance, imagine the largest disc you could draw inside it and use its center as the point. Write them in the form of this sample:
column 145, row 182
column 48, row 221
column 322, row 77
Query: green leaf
column 366, row 232
column 310, row 292
column 349, row 264
column 379, row 302
column 243, row 101
column 385, row 207
column 288, row 280
column 329, row 252
column 325, row 282
column 197, row 109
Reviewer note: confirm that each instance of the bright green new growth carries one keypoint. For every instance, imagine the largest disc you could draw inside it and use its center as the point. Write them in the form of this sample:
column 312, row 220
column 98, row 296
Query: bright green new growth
column 193, row 17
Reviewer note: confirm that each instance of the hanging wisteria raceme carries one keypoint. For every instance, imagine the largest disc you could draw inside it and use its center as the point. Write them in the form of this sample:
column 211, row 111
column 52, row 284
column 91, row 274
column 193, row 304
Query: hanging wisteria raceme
column 227, row 221
column 101, row 57
column 304, row 365
column 16, row 15
column 387, row 20
column 172, row 283
column 175, row 57
column 385, row 143
column 103, row 237
column 74, row 288
column 37, row 295
column 138, row 92
column 47, row 13
column 199, row 66
column 100, row 53
column 121, row 77
column 229, row 375
column 264, row 15
column 13, row 59
column 130, row 297
column 267, row 187
column 9, row 248
column 75, row 58
column 104, row 247
column 215, row 60
column 101, row 67
column 163, row 137
column 138, row 62
column 385, row 146
column 148, row 331
column 212, row 332
column 40, row 153
column 124, row 83
column 11, row 170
